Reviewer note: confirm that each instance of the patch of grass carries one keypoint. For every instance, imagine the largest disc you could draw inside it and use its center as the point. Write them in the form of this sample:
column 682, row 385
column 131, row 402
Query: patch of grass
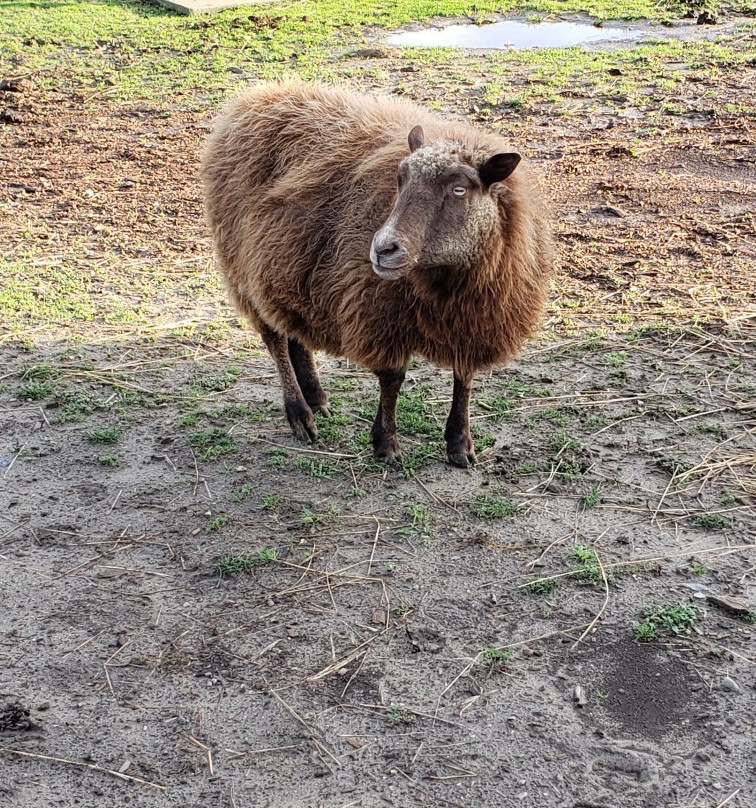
column 213, row 444
column 523, row 390
column 398, row 715
column 539, row 586
column 673, row 465
column 241, row 493
column 502, row 407
column 697, row 568
column 357, row 492
column 561, row 442
column 414, row 413
column 711, row 521
column 489, row 506
column 277, row 457
column 330, row 430
column 617, row 359
column 317, row 468
column 74, row 405
column 219, row 382
column 105, row 434
column 417, row 459
column 219, row 522
column 727, row 498
column 676, row 618
column 310, row 518
column 553, row 416
column 190, row 418
column 718, row 430
column 344, row 383
column 243, row 562
column 497, row 656
column 587, row 566
column 525, row 468
column 111, row 460
column 39, row 373
column 591, row 499
column 420, row 525
column 35, row 390
column 270, row 501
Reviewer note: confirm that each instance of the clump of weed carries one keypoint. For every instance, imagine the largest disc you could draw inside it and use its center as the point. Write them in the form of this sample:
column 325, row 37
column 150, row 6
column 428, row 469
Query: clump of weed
column 591, row 499
column 414, row 413
column 677, row 618
column 243, row 562
column 420, row 525
column 496, row 656
column 220, row 521
column 727, row 498
column 190, row 418
column 276, row 456
column 105, row 434
column 111, row 460
column 525, row 468
column 241, row 493
column 541, row 586
column 39, row 373
column 221, row 381
column 416, row 459
column 711, row 521
column 310, row 518
column 270, row 501
column 561, row 442
column 35, row 390
column 74, row 405
column 399, row 715
column 587, row 567
column 357, row 492
column 489, row 506
column 316, row 468
column 502, row 408
column 673, row 465
column 213, row 443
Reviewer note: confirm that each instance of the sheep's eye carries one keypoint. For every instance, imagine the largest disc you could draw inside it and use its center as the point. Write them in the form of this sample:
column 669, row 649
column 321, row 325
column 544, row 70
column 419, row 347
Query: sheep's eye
column 458, row 190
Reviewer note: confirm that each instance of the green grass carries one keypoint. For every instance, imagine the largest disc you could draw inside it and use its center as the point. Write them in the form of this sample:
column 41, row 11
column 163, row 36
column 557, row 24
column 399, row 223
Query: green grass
column 243, row 562
column 496, row 656
column 420, row 524
column 317, row 468
column 35, row 390
column 213, row 444
column 111, row 460
column 675, row 618
column 396, row 716
column 541, row 586
column 105, row 434
column 591, row 499
column 270, row 501
column 712, row 521
column 586, row 565
column 218, row 522
column 489, row 506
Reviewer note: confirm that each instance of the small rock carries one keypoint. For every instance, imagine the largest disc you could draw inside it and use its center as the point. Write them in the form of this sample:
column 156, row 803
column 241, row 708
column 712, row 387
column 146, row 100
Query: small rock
column 730, row 684
column 707, row 18
column 729, row 605
column 378, row 617
column 579, row 695
column 607, row 210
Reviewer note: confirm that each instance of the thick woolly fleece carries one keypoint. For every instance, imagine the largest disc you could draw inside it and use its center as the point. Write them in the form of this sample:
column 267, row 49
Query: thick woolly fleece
column 300, row 176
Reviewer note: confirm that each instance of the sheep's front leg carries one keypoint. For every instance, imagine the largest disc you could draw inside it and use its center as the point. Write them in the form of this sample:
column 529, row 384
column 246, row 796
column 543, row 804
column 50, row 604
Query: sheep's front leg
column 307, row 376
column 298, row 411
column 383, row 433
column 459, row 444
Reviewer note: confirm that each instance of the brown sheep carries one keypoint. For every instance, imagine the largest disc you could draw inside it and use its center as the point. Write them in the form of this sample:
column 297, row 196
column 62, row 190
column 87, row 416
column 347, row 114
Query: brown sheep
column 371, row 229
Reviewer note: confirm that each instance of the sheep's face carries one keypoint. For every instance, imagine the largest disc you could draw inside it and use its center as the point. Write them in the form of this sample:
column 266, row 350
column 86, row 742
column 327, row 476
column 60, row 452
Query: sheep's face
column 443, row 213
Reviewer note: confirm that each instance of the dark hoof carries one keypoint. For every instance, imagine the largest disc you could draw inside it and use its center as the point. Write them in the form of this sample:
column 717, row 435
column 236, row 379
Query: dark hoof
column 462, row 459
column 392, row 459
column 302, row 423
column 387, row 450
column 322, row 409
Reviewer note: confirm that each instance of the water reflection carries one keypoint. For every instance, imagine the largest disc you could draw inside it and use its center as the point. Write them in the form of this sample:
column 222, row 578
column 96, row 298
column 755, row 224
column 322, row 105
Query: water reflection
column 518, row 35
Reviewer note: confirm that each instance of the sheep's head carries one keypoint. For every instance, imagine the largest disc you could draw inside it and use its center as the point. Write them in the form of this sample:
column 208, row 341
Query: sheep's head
column 444, row 211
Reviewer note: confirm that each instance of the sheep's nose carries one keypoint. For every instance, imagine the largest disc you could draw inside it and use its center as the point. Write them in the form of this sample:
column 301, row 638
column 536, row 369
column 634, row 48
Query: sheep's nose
column 386, row 249
column 388, row 252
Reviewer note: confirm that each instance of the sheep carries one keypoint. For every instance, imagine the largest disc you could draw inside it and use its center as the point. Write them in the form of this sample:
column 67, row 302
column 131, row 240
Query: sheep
column 369, row 228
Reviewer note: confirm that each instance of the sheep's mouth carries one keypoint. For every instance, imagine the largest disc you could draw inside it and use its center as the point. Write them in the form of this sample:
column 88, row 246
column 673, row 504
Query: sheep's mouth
column 387, row 273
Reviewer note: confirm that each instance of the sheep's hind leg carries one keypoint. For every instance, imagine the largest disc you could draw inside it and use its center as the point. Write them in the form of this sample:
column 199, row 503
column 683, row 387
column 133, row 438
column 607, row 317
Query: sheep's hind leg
column 459, row 444
column 307, row 376
column 383, row 433
column 298, row 412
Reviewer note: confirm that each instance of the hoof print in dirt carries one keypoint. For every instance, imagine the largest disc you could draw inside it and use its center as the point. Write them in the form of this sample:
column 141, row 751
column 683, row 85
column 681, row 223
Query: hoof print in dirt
column 424, row 638
column 14, row 717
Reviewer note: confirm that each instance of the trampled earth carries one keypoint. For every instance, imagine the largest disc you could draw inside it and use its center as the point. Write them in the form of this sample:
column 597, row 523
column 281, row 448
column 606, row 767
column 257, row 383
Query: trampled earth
column 198, row 611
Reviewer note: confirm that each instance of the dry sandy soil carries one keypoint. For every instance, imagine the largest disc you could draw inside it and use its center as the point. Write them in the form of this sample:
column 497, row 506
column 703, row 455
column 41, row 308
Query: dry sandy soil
column 383, row 646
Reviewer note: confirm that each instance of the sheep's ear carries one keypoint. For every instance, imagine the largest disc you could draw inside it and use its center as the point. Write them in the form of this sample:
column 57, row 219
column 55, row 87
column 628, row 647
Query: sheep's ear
column 416, row 138
column 498, row 168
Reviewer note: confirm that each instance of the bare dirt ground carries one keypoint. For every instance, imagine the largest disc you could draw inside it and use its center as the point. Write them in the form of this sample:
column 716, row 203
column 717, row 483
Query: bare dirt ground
column 386, row 644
